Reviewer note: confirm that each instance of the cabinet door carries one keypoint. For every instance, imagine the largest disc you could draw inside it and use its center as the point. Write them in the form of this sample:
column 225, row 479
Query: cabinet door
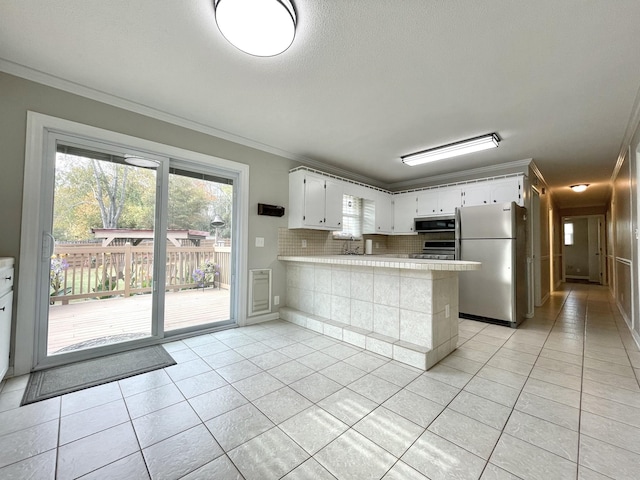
column 449, row 199
column 507, row 190
column 476, row 194
column 384, row 213
column 428, row 203
column 333, row 205
column 5, row 332
column 405, row 209
column 314, row 201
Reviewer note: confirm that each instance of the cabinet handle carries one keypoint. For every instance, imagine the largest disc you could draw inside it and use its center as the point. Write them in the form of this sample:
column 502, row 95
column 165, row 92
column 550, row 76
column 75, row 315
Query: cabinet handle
column 2, row 309
column 7, row 278
column 338, row 223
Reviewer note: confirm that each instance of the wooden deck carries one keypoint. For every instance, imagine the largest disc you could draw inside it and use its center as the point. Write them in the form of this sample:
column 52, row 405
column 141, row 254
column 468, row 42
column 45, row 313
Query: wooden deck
column 121, row 317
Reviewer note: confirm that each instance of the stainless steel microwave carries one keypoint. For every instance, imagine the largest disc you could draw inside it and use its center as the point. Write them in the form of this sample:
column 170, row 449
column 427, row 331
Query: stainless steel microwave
column 446, row 223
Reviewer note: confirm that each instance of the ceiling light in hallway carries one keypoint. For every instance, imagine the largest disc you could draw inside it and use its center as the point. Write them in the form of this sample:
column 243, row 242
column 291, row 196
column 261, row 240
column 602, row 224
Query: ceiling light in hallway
column 579, row 188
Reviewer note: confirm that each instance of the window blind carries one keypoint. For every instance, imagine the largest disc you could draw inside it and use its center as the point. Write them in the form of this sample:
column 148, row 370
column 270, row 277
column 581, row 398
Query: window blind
column 351, row 218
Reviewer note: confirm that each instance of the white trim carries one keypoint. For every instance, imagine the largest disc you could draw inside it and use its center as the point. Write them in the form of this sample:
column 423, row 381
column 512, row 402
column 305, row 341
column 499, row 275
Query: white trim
column 262, row 318
column 38, row 127
column 109, row 99
column 446, row 178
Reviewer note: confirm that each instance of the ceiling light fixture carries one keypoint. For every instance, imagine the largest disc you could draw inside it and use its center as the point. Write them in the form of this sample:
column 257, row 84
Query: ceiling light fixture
column 259, row 27
column 580, row 187
column 455, row 149
column 140, row 161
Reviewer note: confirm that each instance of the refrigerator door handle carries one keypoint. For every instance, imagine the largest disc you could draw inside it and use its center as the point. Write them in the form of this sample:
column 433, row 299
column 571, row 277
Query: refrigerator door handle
column 458, row 252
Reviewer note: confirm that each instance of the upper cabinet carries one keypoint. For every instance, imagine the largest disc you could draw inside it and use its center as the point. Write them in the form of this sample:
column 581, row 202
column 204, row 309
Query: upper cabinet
column 439, row 201
column 378, row 213
column 405, row 210
column 314, row 201
column 493, row 191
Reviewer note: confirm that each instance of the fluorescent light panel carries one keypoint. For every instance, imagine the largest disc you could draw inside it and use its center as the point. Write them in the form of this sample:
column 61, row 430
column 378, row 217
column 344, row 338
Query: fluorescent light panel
column 463, row 147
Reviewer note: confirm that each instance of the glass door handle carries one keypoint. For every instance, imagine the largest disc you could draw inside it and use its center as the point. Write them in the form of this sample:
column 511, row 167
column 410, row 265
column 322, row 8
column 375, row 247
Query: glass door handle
column 48, row 245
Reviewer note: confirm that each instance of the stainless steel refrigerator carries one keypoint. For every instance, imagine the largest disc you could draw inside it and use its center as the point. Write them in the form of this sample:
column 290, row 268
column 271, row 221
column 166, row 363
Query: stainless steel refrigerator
column 495, row 235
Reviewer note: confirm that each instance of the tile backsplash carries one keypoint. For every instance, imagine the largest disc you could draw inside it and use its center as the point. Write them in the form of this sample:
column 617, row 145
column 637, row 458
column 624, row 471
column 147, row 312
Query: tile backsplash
column 320, row 242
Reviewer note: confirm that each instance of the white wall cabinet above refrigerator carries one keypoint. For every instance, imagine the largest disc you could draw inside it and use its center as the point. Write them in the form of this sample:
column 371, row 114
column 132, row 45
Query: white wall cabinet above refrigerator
column 439, row 201
column 405, row 210
column 493, row 191
column 315, row 202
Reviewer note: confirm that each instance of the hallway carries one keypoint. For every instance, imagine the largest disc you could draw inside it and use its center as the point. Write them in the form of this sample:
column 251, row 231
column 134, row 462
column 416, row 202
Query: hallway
column 558, row 398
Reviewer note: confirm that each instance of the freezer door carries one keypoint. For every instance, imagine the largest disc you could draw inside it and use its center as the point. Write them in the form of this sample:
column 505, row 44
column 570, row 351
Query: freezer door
column 488, row 221
column 488, row 292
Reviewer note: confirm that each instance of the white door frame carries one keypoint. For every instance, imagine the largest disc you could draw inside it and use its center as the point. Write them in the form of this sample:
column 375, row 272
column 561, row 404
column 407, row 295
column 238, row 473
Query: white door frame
column 39, row 130
column 601, row 241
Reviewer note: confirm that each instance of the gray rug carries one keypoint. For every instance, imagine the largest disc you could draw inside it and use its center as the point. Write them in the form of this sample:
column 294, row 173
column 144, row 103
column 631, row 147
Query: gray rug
column 57, row 381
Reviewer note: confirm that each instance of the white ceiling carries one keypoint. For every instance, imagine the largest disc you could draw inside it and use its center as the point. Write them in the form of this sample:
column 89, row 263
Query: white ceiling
column 365, row 81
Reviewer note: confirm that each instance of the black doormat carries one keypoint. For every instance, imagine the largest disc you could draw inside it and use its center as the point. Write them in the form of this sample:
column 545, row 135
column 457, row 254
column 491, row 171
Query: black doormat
column 58, row 381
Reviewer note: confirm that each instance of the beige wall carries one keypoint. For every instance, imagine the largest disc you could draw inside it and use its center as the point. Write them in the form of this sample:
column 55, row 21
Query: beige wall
column 268, row 173
column 622, row 241
column 623, row 251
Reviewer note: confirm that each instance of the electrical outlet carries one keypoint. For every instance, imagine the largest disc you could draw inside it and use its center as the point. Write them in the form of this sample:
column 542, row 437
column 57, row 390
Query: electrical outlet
column 447, row 311
column 259, row 241
column 304, row 244
column 377, row 245
column 276, row 299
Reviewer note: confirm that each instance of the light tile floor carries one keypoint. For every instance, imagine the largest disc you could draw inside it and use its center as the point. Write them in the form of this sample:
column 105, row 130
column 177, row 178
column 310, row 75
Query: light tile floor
column 557, row 398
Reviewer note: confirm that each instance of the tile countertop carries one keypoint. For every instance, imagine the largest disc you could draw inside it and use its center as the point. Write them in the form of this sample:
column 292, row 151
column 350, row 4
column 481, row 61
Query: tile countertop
column 385, row 261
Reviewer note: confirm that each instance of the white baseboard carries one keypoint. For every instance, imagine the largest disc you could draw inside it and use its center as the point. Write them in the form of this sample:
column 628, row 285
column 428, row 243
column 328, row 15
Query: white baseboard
column 262, row 318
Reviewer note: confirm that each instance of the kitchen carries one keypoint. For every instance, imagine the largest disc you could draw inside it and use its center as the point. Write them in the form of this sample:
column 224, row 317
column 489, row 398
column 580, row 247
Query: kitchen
column 558, row 83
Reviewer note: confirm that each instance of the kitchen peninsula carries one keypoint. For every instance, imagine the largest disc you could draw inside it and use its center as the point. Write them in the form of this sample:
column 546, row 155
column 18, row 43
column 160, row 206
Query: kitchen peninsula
column 398, row 307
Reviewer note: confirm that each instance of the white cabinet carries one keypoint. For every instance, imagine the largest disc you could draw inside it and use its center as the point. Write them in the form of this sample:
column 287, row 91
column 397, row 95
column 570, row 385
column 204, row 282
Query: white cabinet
column 493, row 191
column 314, row 201
column 6, row 301
column 378, row 213
column 405, row 210
column 440, row 201
column 507, row 190
column 476, row 194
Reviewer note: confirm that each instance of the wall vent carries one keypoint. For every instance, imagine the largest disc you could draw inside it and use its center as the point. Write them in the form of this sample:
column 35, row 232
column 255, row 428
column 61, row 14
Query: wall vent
column 259, row 291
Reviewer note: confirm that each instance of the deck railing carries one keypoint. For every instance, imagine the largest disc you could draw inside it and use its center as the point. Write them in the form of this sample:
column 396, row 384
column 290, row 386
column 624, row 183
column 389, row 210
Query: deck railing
column 82, row 271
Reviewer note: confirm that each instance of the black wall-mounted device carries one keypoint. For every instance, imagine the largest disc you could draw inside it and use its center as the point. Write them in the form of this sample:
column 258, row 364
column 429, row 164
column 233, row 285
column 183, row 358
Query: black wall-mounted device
column 270, row 210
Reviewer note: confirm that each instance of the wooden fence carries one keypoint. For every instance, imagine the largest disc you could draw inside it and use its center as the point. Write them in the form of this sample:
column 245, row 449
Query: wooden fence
column 92, row 271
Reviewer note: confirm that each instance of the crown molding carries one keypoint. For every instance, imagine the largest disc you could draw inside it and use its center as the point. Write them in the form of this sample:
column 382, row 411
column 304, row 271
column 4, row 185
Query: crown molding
column 488, row 171
column 53, row 81
column 632, row 126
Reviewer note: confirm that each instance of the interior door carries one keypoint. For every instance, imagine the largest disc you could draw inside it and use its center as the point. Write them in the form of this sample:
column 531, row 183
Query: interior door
column 595, row 250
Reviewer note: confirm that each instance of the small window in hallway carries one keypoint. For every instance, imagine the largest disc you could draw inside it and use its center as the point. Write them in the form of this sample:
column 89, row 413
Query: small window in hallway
column 568, row 233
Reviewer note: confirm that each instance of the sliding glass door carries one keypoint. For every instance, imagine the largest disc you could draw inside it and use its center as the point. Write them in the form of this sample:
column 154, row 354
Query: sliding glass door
column 198, row 290
column 135, row 247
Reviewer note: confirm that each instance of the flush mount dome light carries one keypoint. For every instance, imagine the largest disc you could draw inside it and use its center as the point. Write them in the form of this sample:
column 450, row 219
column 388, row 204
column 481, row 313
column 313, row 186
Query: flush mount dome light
column 579, row 188
column 259, row 27
column 140, row 161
